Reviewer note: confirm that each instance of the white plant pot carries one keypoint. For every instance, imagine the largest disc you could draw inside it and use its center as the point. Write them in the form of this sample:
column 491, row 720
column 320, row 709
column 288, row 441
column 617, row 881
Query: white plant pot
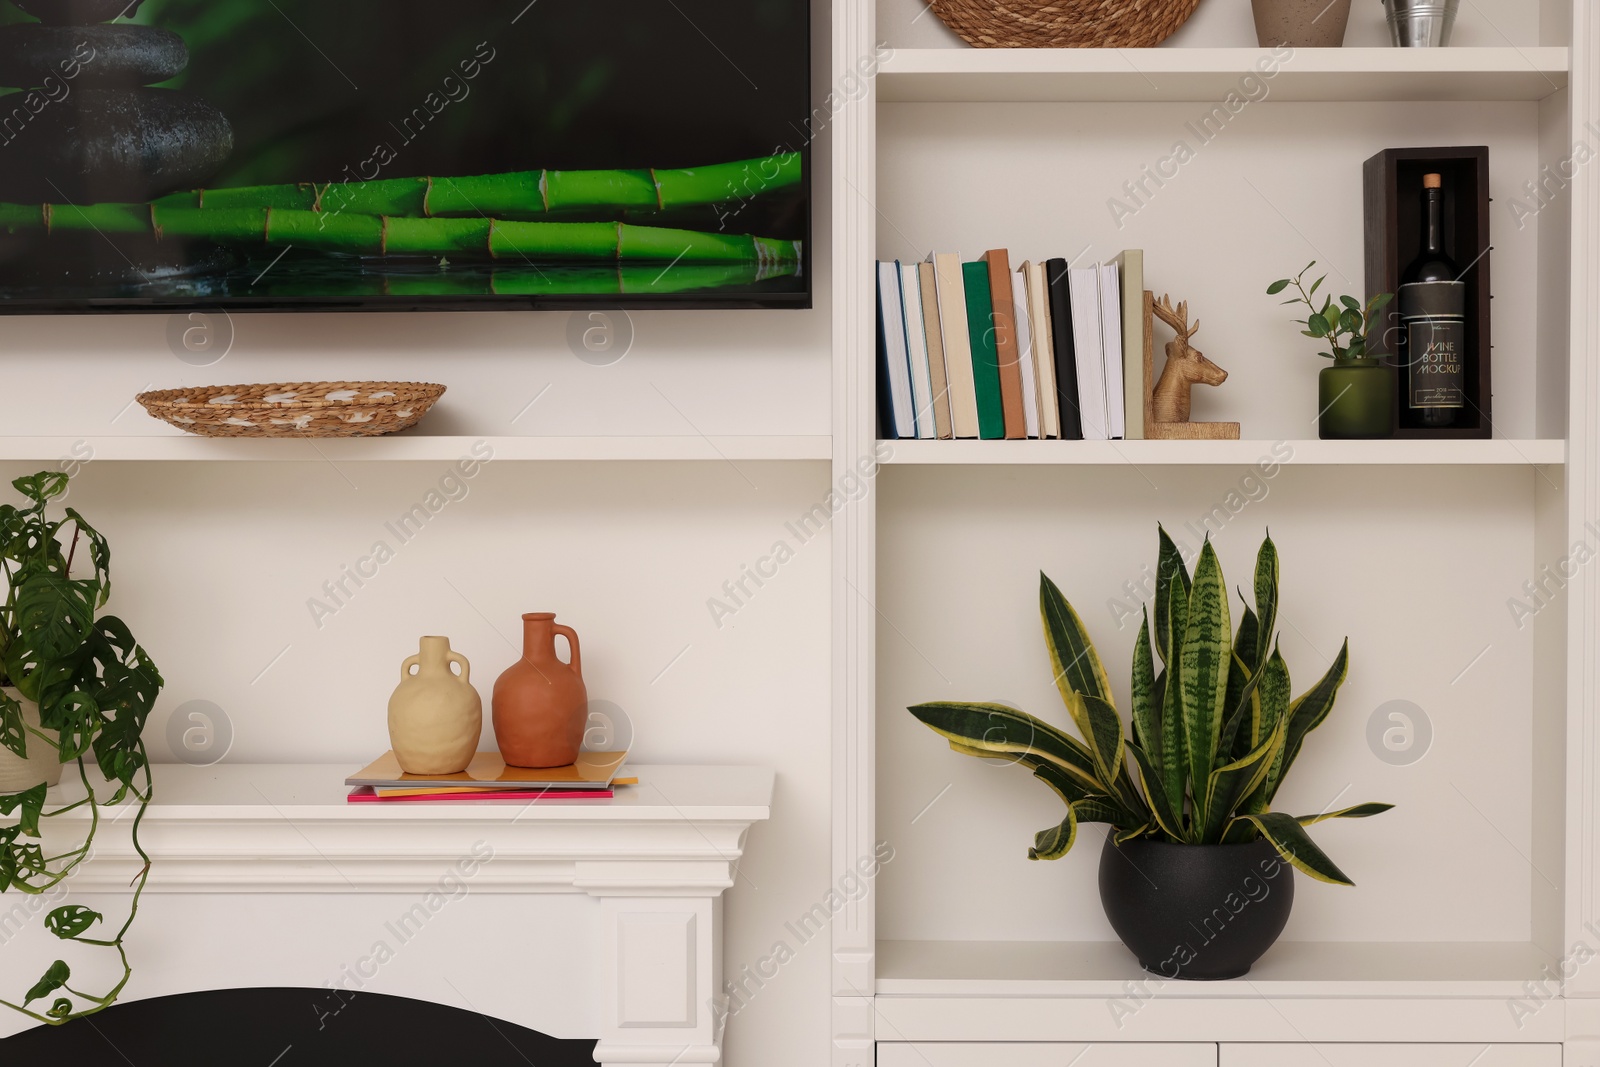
column 43, row 763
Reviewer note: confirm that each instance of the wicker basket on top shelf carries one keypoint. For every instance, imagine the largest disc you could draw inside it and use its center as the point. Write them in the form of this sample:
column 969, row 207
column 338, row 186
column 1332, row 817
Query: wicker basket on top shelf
column 294, row 409
column 1064, row 23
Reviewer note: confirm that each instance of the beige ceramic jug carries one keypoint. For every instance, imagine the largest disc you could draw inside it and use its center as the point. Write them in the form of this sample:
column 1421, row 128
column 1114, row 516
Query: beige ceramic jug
column 435, row 715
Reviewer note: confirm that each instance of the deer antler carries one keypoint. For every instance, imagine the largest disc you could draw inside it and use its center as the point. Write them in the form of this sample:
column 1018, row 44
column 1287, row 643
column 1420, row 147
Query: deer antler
column 1179, row 319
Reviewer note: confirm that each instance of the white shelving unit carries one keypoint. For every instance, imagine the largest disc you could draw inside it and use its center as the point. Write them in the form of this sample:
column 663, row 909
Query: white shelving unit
column 1154, row 74
column 1232, row 453
column 411, row 448
column 964, row 953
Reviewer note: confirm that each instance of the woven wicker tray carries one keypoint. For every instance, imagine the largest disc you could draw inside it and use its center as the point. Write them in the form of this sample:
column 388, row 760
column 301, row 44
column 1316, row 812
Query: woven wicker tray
column 294, row 409
column 1064, row 23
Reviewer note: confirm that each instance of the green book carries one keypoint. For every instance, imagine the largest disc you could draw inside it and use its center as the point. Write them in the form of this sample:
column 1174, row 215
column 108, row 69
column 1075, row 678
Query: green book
column 985, row 358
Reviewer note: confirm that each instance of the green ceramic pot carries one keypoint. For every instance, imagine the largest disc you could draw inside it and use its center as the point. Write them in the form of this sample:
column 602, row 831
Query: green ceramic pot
column 1355, row 399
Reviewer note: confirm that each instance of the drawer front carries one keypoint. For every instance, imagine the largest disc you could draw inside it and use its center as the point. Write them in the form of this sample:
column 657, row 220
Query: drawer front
column 1045, row 1054
column 1389, row 1055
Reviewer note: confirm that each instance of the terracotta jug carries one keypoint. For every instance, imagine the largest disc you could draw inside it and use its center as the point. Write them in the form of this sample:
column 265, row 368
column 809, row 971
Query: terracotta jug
column 540, row 704
column 435, row 715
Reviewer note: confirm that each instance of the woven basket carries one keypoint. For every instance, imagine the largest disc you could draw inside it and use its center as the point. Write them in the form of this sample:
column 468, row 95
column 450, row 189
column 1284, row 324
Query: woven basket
column 1064, row 23
column 295, row 409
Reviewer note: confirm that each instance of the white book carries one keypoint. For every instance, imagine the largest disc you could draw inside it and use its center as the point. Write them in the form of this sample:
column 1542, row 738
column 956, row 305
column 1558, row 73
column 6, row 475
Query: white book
column 1044, row 349
column 917, row 350
column 1027, row 363
column 1083, row 287
column 1131, row 264
column 897, row 364
column 1111, row 348
column 957, row 344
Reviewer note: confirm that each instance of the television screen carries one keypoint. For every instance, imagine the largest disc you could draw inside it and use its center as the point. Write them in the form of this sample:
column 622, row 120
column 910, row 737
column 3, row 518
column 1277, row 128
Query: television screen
column 163, row 155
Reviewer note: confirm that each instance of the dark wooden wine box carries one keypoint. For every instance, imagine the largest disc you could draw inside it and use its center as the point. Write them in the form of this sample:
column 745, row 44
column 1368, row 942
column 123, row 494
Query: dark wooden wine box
column 1392, row 182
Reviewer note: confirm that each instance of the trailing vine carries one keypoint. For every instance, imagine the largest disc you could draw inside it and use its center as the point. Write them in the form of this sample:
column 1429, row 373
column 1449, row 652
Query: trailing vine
column 94, row 687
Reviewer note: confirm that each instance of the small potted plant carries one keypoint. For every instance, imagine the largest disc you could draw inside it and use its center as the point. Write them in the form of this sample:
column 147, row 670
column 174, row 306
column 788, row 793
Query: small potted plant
column 75, row 689
column 1196, row 875
column 1355, row 396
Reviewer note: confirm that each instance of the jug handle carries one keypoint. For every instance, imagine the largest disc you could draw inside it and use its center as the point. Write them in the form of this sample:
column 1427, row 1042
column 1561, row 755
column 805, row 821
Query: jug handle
column 572, row 643
column 460, row 660
column 405, row 668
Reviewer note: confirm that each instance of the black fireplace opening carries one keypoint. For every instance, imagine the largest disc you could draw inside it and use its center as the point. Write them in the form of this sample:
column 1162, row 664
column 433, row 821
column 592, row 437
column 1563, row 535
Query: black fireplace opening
column 290, row 1027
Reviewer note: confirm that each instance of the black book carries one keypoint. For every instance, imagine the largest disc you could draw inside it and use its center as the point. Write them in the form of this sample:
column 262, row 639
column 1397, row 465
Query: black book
column 1066, row 363
column 886, row 429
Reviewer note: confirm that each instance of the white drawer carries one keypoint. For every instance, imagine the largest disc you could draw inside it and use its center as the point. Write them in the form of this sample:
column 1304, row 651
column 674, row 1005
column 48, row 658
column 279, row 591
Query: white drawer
column 1389, row 1055
column 1045, row 1054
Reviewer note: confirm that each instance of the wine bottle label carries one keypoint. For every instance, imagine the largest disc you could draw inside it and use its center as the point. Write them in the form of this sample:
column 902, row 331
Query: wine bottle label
column 1435, row 348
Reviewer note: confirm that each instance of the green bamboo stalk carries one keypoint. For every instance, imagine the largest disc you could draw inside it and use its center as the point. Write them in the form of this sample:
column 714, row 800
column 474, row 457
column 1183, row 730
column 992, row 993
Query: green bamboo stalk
column 639, row 281
column 515, row 194
column 379, row 235
column 505, row 279
column 568, row 281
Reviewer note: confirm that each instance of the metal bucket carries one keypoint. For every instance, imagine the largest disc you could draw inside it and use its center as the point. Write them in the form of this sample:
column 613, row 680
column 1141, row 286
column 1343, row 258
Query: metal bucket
column 1420, row 23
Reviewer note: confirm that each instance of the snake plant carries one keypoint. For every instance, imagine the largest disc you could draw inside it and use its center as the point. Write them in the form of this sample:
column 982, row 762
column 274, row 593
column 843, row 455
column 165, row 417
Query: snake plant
column 1214, row 731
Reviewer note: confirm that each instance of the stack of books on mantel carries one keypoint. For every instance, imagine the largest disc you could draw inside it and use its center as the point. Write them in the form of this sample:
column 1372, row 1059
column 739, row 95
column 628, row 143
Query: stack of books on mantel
column 488, row 779
column 985, row 350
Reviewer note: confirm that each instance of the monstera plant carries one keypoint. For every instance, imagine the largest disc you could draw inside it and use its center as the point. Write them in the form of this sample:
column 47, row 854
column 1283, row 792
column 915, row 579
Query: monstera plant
column 75, row 689
column 1214, row 731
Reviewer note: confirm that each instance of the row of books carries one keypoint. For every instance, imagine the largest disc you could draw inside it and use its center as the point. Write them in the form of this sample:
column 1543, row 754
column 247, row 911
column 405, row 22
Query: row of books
column 981, row 350
column 488, row 779
column 367, row 794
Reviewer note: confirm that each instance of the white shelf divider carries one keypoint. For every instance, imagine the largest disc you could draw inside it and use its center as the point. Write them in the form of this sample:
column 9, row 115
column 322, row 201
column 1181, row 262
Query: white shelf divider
column 1290, row 968
column 1210, row 74
column 409, row 448
column 1298, row 992
column 1498, row 452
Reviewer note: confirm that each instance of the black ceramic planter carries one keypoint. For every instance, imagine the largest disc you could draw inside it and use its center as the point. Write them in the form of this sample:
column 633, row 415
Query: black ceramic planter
column 1199, row 912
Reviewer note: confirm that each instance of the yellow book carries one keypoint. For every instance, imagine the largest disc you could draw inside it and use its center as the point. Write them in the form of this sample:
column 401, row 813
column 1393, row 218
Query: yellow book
column 488, row 770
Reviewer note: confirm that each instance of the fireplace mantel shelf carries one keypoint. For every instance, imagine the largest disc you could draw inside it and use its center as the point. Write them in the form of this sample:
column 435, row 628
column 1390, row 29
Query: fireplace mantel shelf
column 288, row 828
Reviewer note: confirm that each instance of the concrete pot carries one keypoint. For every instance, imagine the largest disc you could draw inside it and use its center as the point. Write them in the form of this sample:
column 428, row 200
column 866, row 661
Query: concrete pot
column 1300, row 23
column 43, row 763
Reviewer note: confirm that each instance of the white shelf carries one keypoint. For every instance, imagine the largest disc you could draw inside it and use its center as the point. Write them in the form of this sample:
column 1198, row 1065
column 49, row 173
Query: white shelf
column 1210, row 74
column 1290, row 968
column 250, row 828
column 315, row 792
column 407, row 447
column 1497, row 452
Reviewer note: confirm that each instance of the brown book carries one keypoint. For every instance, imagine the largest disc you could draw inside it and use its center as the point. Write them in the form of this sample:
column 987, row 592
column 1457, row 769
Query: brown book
column 1005, row 342
column 936, row 368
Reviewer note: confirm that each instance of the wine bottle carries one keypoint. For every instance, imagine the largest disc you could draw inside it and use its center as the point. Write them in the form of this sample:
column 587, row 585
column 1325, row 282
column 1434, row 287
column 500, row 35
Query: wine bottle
column 1432, row 303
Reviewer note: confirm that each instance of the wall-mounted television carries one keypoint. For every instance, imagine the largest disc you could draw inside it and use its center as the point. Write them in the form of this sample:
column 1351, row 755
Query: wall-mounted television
column 173, row 155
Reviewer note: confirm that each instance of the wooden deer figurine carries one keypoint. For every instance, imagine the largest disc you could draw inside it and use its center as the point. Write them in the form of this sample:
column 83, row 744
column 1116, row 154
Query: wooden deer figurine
column 1167, row 412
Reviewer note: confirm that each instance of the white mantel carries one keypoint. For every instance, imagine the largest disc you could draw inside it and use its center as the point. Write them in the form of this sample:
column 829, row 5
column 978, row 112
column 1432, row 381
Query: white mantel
column 658, row 856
